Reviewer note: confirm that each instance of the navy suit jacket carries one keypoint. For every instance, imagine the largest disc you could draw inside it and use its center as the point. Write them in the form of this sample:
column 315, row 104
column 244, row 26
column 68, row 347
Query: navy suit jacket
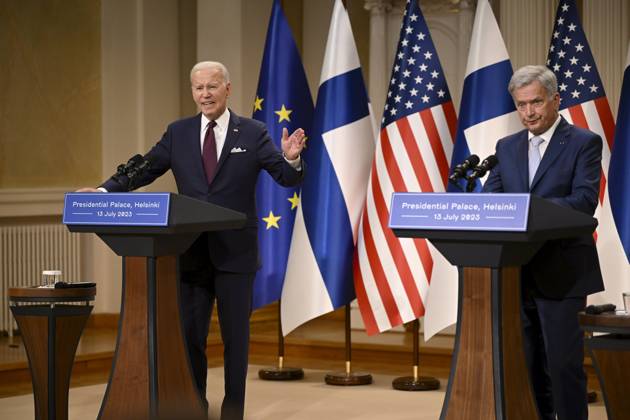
column 233, row 186
column 569, row 175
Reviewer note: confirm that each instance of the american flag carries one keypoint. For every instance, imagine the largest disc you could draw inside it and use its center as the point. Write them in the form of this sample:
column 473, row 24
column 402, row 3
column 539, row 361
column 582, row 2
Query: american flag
column 392, row 275
column 582, row 98
column 583, row 103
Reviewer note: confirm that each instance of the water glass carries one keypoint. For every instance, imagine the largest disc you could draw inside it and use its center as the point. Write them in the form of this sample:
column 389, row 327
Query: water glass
column 50, row 277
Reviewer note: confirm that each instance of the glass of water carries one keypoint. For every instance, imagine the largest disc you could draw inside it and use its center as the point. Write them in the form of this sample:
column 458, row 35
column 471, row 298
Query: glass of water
column 626, row 302
column 50, row 277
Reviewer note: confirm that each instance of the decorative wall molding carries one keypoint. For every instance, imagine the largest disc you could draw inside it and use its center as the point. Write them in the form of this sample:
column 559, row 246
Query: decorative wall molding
column 447, row 6
column 29, row 202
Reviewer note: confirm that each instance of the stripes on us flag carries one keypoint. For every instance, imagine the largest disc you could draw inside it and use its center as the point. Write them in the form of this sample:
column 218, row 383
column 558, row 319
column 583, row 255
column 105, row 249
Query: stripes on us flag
column 392, row 275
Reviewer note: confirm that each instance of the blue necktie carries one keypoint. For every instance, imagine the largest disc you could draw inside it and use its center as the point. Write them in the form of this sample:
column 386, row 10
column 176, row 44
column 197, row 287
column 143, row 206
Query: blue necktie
column 534, row 157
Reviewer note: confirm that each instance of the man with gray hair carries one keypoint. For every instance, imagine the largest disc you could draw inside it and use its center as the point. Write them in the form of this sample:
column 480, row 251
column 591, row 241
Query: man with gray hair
column 216, row 156
column 562, row 163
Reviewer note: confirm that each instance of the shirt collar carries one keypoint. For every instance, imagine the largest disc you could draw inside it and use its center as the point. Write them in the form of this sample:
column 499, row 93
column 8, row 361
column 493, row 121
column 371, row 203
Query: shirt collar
column 222, row 121
column 547, row 135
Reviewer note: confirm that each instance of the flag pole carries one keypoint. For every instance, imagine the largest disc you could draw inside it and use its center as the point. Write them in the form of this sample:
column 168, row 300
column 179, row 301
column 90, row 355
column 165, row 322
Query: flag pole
column 415, row 382
column 348, row 377
column 280, row 372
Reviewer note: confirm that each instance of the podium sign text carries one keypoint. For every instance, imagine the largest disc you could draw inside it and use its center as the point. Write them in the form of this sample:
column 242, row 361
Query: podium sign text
column 455, row 211
column 124, row 209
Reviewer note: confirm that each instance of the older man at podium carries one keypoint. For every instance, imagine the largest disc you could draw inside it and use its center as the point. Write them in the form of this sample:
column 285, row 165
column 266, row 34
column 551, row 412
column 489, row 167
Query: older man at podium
column 562, row 163
column 216, row 156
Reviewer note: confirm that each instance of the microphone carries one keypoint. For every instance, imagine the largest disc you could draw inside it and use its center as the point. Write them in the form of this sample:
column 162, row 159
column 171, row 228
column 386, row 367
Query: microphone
column 461, row 169
column 139, row 168
column 135, row 171
column 126, row 172
column 487, row 164
column 123, row 169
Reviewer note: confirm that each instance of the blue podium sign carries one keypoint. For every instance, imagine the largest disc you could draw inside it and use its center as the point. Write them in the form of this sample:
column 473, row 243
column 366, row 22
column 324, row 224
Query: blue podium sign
column 454, row 211
column 123, row 209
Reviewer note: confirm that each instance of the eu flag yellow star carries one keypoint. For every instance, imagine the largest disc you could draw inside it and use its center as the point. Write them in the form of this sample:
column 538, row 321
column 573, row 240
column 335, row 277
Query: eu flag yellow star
column 258, row 103
column 295, row 200
column 284, row 114
column 272, row 221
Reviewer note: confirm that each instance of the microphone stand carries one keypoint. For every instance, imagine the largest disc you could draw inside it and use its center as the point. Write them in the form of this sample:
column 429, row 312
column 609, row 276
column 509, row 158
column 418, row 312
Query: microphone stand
column 471, row 183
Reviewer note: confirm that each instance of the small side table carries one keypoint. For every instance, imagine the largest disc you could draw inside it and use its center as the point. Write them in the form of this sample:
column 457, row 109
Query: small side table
column 51, row 322
column 610, row 353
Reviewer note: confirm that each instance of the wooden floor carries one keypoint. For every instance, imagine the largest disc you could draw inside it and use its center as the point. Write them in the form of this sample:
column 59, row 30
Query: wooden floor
column 318, row 344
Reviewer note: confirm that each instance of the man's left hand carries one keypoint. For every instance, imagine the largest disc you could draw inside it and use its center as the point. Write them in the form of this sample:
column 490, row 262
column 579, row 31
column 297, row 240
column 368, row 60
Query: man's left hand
column 292, row 145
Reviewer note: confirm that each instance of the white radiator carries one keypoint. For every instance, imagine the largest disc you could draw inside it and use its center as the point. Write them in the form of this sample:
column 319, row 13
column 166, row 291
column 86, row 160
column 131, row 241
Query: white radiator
column 26, row 250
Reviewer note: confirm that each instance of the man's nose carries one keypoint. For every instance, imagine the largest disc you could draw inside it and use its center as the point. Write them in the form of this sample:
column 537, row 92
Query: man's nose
column 529, row 109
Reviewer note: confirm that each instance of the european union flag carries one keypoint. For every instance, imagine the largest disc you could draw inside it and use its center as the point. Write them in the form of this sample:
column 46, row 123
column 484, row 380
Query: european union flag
column 283, row 100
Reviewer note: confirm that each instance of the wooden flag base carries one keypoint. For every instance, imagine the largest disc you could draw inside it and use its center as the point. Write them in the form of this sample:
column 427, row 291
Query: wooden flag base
column 348, row 379
column 281, row 374
column 418, row 383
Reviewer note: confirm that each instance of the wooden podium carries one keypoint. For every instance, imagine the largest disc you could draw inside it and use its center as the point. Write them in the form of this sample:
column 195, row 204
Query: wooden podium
column 489, row 378
column 51, row 322
column 151, row 376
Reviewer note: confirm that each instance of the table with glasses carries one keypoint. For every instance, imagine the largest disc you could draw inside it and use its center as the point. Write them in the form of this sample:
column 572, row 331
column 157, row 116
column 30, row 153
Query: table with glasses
column 51, row 322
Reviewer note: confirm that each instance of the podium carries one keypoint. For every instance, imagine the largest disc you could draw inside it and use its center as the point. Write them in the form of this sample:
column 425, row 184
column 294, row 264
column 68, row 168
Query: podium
column 489, row 378
column 51, row 322
column 151, row 375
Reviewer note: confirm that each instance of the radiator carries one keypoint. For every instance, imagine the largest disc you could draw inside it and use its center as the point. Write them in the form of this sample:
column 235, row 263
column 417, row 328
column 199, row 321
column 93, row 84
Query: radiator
column 26, row 250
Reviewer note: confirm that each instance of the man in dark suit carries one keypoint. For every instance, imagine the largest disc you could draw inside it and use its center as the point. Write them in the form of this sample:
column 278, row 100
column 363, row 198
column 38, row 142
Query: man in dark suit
column 562, row 163
column 216, row 156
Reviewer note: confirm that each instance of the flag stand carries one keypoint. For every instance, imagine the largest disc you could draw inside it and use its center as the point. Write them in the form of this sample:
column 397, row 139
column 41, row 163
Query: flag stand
column 280, row 372
column 348, row 377
column 415, row 382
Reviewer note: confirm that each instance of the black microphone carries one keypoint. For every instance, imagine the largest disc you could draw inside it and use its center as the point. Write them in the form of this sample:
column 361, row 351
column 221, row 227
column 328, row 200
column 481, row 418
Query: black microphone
column 135, row 171
column 122, row 171
column 487, row 164
column 139, row 168
column 461, row 169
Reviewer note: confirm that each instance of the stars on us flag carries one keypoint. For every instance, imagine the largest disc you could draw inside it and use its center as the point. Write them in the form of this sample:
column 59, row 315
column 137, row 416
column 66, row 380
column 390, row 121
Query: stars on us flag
column 417, row 79
column 571, row 60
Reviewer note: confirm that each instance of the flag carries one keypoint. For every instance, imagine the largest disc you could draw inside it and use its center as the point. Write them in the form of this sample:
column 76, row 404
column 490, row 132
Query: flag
column 487, row 111
column 619, row 171
column 392, row 275
column 583, row 103
column 338, row 154
column 486, row 114
column 282, row 100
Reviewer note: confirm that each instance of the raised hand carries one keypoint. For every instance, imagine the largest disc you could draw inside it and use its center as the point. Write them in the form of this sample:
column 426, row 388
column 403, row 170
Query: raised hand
column 292, row 145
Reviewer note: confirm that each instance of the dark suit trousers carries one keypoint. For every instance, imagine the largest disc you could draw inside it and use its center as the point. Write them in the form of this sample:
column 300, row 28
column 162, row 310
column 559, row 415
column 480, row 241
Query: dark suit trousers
column 233, row 292
column 554, row 351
